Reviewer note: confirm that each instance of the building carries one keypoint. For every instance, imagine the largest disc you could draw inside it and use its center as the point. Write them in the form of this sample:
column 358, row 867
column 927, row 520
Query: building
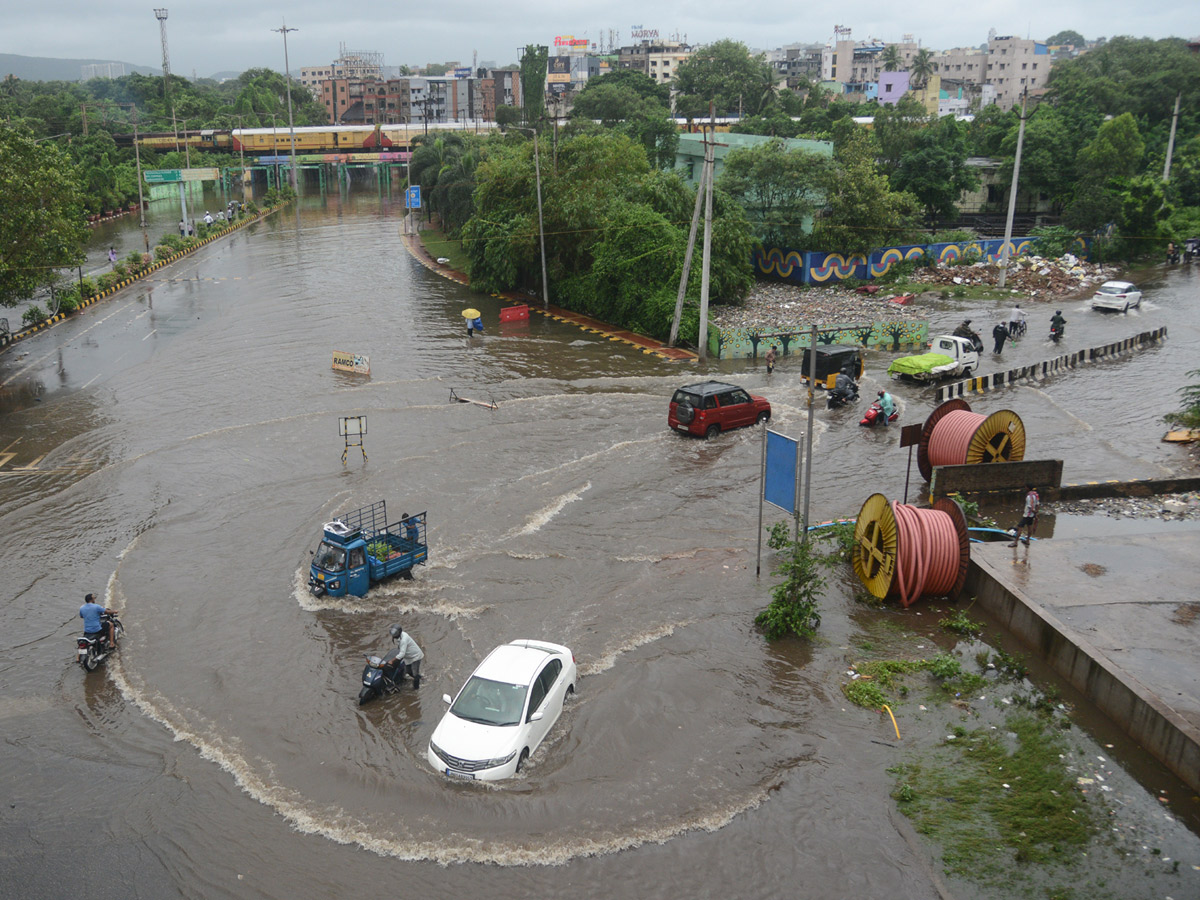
column 417, row 100
column 655, row 59
column 353, row 66
column 689, row 155
column 796, row 64
column 1017, row 65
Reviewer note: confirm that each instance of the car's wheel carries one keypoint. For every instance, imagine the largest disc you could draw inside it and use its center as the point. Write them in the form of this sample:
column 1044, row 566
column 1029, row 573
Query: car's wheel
column 967, row 372
column 521, row 759
column 684, row 412
column 713, row 431
column 763, row 416
column 570, row 689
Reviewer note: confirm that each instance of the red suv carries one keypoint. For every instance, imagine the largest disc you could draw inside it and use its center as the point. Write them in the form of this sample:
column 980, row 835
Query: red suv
column 713, row 406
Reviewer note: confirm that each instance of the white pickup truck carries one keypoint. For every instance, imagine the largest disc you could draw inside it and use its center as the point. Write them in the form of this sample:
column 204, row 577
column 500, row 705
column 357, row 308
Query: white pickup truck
column 948, row 356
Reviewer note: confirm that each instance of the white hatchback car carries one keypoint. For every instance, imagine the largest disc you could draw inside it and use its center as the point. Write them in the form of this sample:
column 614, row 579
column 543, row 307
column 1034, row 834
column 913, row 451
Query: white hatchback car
column 1117, row 295
column 503, row 711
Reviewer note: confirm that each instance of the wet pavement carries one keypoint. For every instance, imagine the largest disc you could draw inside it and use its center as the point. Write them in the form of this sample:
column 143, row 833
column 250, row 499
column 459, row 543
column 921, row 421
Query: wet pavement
column 1127, row 601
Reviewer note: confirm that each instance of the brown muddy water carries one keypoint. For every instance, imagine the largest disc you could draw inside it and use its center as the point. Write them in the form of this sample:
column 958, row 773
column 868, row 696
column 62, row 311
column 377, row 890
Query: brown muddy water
column 176, row 449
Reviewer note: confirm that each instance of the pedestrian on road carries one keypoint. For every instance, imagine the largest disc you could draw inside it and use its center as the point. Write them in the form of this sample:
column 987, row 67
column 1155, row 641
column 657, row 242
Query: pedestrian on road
column 112, row 256
column 771, row 357
column 1028, row 517
column 999, row 335
column 182, row 228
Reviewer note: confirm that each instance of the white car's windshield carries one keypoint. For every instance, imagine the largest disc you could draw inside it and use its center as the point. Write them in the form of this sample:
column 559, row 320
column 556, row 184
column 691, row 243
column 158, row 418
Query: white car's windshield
column 490, row 702
column 1112, row 289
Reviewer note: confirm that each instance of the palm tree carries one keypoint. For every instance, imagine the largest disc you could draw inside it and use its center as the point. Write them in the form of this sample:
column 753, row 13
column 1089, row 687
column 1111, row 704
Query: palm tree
column 891, row 58
column 922, row 67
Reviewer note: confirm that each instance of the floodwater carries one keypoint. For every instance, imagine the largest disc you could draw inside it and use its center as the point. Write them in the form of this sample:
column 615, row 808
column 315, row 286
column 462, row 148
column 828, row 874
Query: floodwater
column 176, row 449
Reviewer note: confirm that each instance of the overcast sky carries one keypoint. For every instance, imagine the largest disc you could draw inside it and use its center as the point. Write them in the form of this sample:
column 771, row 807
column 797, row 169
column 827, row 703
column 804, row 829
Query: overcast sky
column 219, row 35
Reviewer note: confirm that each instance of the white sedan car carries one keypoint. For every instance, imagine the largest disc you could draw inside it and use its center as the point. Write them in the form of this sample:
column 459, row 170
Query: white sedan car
column 1117, row 295
column 503, row 711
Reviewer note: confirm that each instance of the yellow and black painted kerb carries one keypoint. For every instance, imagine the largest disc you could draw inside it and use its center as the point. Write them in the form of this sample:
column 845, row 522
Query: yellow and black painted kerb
column 980, row 384
column 584, row 323
column 157, row 264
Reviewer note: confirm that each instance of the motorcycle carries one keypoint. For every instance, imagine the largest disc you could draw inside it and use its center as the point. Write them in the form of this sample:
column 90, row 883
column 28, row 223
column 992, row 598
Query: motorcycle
column 1173, row 256
column 874, row 415
column 1016, row 329
column 1191, row 248
column 836, row 399
column 1056, row 333
column 381, row 675
column 93, row 649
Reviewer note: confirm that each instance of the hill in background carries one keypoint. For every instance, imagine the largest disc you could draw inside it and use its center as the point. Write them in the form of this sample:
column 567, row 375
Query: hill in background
column 43, row 68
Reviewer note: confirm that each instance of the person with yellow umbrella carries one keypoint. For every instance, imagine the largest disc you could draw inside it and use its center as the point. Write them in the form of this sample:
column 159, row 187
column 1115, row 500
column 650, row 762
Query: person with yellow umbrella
column 474, row 321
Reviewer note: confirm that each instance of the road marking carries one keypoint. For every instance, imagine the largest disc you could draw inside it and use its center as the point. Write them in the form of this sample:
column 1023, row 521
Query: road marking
column 151, row 334
column 54, row 350
column 5, row 457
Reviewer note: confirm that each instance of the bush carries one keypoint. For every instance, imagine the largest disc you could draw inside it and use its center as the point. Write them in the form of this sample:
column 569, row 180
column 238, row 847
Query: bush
column 162, row 251
column 120, row 270
column 87, row 287
column 107, row 281
column 174, row 241
column 68, row 299
column 793, row 609
column 33, row 316
column 1052, row 241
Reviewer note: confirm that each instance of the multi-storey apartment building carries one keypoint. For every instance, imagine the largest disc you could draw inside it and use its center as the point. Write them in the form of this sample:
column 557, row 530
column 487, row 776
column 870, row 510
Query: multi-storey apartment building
column 356, row 67
column 417, row 100
column 656, row 59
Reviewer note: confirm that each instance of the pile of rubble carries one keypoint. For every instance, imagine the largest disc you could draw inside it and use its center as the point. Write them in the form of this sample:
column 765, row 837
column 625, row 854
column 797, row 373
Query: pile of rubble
column 1169, row 507
column 773, row 304
column 1033, row 276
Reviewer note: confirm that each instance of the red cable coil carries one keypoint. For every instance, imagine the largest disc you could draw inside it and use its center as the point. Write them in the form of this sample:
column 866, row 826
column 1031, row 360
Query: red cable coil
column 951, row 437
column 927, row 552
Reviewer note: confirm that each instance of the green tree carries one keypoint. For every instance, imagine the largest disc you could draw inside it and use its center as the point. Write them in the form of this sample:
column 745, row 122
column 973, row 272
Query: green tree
column 1067, row 36
column 861, row 210
column 922, row 67
column 897, row 131
column 41, row 214
column 534, row 61
column 778, row 188
column 891, row 58
column 1044, row 166
column 988, row 129
column 1115, row 152
column 935, row 170
column 727, row 74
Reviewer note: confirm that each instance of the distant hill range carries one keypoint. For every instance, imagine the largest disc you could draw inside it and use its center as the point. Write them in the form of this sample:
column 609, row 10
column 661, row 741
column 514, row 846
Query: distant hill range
column 41, row 68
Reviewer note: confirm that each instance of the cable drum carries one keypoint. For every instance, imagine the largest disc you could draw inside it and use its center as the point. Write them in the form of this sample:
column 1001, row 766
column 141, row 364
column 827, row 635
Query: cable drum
column 955, row 436
column 906, row 552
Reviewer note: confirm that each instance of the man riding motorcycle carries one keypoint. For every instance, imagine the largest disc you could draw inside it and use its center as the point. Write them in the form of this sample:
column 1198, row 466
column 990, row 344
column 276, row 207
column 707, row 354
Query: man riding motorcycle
column 94, row 623
column 845, row 388
column 966, row 331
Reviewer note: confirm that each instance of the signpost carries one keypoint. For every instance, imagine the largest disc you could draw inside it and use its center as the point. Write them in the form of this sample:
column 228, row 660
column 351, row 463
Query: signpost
column 353, row 426
column 780, row 480
column 412, row 197
column 179, row 177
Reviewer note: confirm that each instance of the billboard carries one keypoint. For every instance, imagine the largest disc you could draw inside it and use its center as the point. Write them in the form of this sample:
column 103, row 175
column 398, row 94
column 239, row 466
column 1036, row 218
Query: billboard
column 558, row 70
column 462, row 72
column 570, row 42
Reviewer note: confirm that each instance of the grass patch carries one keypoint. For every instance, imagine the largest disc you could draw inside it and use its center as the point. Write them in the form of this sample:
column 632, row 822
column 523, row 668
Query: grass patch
column 991, row 801
column 437, row 244
column 961, row 623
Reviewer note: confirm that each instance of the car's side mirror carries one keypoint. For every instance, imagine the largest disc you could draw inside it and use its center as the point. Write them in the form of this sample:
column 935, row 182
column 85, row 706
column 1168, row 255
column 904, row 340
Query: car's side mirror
column 535, row 716
column 446, row 699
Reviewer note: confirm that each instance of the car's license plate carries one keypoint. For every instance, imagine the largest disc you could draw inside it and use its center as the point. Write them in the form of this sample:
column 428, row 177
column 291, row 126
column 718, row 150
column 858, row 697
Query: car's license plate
column 467, row 776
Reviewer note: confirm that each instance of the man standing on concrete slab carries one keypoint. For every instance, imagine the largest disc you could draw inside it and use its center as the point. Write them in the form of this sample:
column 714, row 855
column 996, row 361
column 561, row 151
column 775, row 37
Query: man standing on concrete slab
column 1028, row 517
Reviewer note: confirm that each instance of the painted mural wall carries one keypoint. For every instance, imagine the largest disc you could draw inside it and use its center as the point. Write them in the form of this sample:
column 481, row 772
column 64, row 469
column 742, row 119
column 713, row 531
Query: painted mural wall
column 820, row 267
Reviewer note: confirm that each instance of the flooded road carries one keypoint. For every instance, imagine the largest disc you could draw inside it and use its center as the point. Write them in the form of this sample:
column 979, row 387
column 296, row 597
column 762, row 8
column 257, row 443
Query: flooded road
column 176, row 449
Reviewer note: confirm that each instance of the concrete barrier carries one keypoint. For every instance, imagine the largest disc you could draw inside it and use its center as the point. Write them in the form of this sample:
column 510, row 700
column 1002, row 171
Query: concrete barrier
column 1005, row 477
column 1147, row 717
column 980, row 384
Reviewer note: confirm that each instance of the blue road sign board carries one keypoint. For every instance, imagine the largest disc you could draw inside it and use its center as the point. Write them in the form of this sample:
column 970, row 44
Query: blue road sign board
column 412, row 197
column 781, row 476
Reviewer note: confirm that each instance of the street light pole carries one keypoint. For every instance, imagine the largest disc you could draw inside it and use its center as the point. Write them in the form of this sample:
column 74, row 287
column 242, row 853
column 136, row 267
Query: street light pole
column 1012, row 197
column 137, row 156
column 288, row 72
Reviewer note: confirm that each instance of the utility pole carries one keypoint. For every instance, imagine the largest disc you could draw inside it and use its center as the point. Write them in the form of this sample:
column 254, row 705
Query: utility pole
column 287, row 71
column 1170, row 143
column 709, row 152
column 687, row 257
column 137, row 155
column 1012, row 196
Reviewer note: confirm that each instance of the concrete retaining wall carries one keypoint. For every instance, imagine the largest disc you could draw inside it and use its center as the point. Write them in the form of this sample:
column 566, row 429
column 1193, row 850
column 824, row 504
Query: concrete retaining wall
column 1149, row 721
column 990, row 477
column 1038, row 371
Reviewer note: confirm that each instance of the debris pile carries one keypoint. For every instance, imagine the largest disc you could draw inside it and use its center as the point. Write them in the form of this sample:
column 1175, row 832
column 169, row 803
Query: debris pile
column 773, row 304
column 1033, row 276
column 1167, row 507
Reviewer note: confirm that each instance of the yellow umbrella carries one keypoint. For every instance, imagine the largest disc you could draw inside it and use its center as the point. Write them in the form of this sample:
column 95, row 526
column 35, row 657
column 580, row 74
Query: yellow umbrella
column 471, row 314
